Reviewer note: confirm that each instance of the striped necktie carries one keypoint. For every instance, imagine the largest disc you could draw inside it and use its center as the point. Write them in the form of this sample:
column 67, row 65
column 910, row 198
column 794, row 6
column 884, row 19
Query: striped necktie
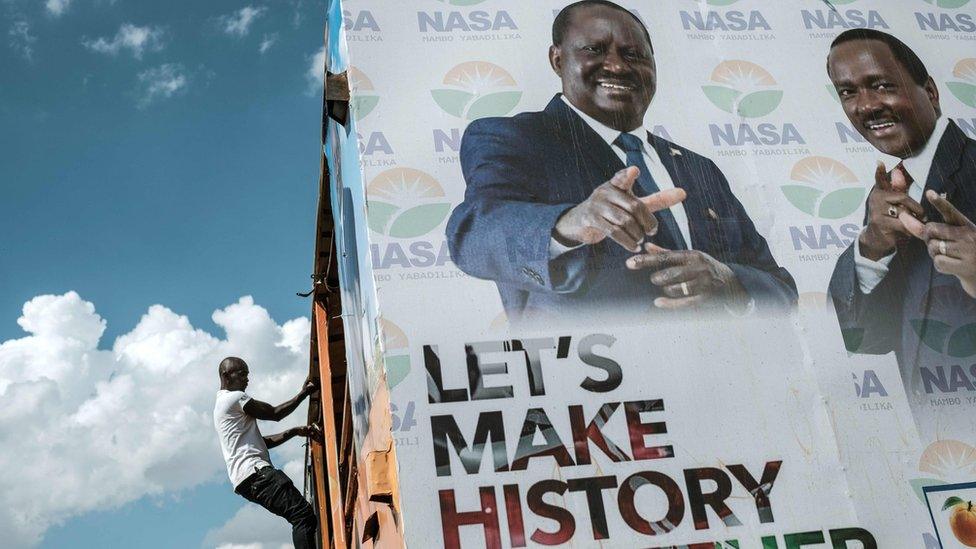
column 668, row 234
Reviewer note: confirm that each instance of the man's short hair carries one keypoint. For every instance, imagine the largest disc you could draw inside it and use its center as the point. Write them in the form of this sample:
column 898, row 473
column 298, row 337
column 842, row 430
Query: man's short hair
column 229, row 363
column 899, row 49
column 565, row 18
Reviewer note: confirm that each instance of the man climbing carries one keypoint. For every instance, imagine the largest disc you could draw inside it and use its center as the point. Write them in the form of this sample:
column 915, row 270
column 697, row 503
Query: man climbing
column 246, row 450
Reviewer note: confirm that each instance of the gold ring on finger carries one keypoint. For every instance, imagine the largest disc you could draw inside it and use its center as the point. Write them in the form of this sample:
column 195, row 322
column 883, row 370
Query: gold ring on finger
column 684, row 289
column 892, row 211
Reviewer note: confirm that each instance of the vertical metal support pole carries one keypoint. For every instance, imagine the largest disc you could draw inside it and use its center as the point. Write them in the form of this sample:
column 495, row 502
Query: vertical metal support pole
column 328, row 452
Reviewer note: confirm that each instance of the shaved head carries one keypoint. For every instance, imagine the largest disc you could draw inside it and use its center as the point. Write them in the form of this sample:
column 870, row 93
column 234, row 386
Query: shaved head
column 233, row 373
column 229, row 364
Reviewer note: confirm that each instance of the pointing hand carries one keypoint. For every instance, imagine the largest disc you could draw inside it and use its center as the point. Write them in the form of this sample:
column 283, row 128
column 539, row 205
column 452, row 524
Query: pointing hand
column 613, row 211
column 952, row 244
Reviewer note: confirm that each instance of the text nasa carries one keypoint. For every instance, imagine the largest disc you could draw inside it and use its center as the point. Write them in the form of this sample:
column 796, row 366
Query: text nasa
column 587, row 438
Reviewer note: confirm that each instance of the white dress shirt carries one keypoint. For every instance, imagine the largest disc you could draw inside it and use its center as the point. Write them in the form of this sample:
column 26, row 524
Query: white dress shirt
column 871, row 273
column 657, row 169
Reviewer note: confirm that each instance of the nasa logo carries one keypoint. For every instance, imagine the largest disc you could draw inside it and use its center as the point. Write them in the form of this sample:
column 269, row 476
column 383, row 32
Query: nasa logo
column 362, row 20
column 826, row 189
column 747, row 90
column 375, row 150
column 758, row 135
column 476, row 21
column 707, row 24
column 938, row 25
column 439, row 26
column 841, row 19
column 472, row 90
column 406, row 204
column 869, row 385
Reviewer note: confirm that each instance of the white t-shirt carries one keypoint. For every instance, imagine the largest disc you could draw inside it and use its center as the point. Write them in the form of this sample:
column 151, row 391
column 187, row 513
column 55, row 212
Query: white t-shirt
column 240, row 440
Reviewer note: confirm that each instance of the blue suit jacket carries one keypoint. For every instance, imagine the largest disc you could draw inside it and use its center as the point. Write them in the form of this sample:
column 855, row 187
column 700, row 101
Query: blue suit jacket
column 522, row 173
column 917, row 312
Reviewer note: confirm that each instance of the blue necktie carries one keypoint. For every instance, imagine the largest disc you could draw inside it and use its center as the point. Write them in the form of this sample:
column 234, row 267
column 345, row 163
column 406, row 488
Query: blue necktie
column 668, row 234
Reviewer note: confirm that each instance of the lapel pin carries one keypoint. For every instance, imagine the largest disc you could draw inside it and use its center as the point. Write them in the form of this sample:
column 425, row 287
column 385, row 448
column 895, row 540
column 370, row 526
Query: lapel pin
column 712, row 214
column 944, row 196
column 675, row 152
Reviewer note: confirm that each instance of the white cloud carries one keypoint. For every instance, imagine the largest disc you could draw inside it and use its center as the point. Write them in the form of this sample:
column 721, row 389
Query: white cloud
column 254, row 527
column 296, row 17
column 315, row 73
column 21, row 40
column 267, row 42
column 251, row 527
column 239, row 22
column 84, row 429
column 57, row 7
column 129, row 37
column 161, row 82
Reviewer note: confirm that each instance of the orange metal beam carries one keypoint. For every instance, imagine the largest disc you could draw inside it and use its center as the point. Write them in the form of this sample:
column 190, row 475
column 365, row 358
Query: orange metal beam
column 318, row 463
column 331, row 447
column 318, row 456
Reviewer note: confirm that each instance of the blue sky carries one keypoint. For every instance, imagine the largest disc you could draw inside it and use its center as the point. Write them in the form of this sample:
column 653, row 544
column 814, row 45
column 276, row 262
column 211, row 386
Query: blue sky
column 157, row 153
column 190, row 200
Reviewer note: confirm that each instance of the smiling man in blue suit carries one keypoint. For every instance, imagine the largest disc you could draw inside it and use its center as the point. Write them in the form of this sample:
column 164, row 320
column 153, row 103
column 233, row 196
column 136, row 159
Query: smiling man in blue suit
column 579, row 209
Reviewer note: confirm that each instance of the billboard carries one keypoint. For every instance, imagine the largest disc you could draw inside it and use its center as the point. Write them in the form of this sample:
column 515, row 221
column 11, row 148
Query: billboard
column 649, row 274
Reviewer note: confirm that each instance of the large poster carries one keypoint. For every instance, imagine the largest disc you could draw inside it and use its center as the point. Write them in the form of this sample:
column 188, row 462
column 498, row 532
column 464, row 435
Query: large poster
column 670, row 273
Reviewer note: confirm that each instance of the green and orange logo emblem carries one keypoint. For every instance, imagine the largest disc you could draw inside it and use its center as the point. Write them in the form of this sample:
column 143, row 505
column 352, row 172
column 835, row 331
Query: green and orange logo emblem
column 405, row 203
column 477, row 89
column 965, row 87
column 743, row 88
column 363, row 95
column 948, row 4
column 396, row 356
column 825, row 188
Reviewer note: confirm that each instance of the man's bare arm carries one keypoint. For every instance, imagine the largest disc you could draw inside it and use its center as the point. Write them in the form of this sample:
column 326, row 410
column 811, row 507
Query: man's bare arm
column 262, row 410
column 310, row 431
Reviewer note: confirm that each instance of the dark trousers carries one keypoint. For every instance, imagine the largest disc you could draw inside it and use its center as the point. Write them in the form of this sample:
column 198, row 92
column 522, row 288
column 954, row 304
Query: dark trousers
column 272, row 489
